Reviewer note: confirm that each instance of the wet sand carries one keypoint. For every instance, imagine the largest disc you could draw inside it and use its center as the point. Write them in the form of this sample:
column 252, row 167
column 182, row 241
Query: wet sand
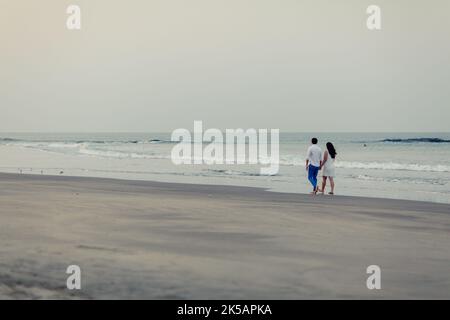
column 151, row 240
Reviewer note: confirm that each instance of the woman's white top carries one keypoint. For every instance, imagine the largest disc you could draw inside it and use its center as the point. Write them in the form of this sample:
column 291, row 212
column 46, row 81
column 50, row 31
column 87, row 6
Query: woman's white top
column 328, row 167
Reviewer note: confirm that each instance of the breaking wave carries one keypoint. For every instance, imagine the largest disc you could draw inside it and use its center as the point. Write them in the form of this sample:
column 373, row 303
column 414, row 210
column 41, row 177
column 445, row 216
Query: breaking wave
column 417, row 140
column 293, row 161
column 150, row 141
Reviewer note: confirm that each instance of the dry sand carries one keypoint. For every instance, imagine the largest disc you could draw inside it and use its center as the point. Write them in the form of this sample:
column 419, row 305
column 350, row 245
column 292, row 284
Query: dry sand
column 150, row 240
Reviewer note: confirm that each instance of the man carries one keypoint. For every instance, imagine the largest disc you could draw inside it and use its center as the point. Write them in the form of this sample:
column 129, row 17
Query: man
column 313, row 163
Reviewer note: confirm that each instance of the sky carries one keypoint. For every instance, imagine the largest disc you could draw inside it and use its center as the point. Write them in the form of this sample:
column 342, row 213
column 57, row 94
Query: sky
column 158, row 65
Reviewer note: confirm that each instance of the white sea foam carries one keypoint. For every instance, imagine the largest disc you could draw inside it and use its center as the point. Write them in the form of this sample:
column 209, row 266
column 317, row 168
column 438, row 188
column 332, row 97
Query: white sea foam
column 408, row 180
column 120, row 154
column 393, row 166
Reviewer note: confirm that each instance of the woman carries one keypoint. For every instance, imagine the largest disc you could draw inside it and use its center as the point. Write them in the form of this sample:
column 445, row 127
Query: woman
column 328, row 167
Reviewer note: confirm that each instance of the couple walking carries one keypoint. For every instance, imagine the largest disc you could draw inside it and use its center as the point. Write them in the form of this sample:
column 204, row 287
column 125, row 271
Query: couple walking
column 315, row 163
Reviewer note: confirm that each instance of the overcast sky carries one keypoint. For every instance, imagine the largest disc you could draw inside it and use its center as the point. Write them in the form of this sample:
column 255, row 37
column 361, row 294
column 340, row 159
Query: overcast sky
column 157, row 65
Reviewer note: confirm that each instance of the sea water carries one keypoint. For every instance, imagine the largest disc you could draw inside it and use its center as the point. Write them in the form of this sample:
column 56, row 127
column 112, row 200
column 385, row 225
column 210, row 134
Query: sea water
column 390, row 165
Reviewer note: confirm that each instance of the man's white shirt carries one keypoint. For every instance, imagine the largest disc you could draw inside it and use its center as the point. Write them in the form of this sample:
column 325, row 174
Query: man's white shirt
column 314, row 155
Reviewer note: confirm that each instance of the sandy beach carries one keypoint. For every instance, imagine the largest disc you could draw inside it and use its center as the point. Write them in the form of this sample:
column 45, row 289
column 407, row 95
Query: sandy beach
column 152, row 240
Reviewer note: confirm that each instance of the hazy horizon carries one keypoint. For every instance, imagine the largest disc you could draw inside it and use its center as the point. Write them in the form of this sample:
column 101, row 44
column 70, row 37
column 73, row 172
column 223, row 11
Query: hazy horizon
column 155, row 66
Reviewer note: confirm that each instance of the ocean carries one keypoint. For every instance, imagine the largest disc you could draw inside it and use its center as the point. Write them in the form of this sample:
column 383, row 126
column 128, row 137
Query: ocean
column 413, row 166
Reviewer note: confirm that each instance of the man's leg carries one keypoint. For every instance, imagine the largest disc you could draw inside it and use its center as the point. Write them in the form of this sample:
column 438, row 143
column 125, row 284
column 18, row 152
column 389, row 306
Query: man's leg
column 312, row 176
column 315, row 173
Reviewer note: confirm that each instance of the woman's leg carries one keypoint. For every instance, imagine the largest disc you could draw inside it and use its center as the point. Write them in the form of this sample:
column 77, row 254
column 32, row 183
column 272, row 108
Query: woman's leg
column 332, row 184
column 324, row 183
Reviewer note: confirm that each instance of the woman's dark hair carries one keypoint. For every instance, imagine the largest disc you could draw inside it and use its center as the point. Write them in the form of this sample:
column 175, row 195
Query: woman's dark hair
column 331, row 150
